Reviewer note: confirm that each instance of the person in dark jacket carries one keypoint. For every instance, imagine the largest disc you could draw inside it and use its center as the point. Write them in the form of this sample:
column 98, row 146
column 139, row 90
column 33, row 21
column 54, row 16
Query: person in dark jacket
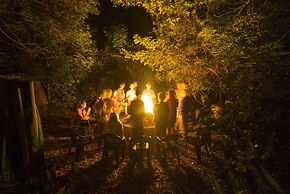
column 161, row 113
column 114, row 125
column 172, row 105
column 137, row 112
column 186, row 108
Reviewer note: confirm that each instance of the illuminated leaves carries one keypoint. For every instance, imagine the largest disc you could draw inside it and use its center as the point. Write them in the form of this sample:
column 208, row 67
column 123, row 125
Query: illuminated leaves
column 51, row 38
column 230, row 50
column 119, row 36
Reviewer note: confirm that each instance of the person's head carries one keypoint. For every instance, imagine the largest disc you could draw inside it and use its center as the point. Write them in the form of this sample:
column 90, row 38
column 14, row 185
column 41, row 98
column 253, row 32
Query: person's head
column 104, row 94
column 148, row 86
column 84, row 104
column 132, row 86
column 98, row 95
column 122, row 85
column 185, row 92
column 115, row 93
column 114, row 117
column 172, row 93
column 109, row 93
column 161, row 96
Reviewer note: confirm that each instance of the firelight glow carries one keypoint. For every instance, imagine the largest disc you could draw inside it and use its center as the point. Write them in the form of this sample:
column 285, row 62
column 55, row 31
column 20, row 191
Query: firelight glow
column 148, row 102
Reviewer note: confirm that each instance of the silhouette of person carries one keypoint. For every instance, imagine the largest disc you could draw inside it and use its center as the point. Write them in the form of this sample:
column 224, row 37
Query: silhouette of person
column 186, row 108
column 137, row 112
column 114, row 125
column 121, row 98
column 172, row 105
column 114, row 102
column 121, row 92
column 83, row 111
column 161, row 113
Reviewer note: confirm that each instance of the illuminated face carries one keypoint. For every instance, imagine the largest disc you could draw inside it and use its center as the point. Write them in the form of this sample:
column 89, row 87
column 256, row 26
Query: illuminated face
column 122, row 86
column 148, row 86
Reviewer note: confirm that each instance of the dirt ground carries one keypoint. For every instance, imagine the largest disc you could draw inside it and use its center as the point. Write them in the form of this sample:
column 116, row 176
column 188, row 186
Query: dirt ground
column 92, row 175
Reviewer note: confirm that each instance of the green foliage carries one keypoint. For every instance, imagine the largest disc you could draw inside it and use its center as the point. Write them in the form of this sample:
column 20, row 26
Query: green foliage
column 118, row 36
column 112, row 67
column 231, row 51
column 217, row 186
column 47, row 41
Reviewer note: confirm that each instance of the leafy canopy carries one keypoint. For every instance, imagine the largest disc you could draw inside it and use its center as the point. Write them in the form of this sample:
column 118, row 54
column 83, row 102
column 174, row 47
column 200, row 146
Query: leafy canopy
column 234, row 52
column 47, row 41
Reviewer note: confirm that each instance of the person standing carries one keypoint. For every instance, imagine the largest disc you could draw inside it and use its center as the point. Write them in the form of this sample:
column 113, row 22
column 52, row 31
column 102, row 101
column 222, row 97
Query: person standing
column 121, row 98
column 106, row 110
column 107, row 104
column 114, row 125
column 186, row 108
column 148, row 96
column 161, row 113
column 85, row 120
column 121, row 92
column 172, row 105
column 137, row 112
column 99, row 110
column 149, row 91
column 83, row 112
column 114, row 102
column 131, row 94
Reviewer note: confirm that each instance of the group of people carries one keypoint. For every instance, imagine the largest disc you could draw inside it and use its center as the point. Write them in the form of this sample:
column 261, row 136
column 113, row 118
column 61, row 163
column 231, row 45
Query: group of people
column 170, row 110
column 110, row 105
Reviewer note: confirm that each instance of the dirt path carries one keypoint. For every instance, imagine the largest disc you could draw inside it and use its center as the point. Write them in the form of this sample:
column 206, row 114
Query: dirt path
column 91, row 175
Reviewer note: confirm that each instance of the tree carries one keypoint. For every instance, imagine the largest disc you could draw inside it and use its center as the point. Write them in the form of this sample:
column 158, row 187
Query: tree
column 237, row 51
column 113, row 29
column 47, row 41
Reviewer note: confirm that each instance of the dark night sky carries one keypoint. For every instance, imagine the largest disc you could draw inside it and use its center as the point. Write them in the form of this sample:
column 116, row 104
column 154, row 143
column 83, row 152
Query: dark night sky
column 136, row 19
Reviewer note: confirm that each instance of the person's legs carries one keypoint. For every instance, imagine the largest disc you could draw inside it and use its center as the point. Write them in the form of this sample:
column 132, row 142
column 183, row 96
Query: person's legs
column 170, row 128
column 93, row 125
column 158, row 131
column 138, row 128
column 133, row 132
column 185, row 125
column 180, row 127
column 121, row 108
column 163, row 130
column 126, row 108
column 99, row 132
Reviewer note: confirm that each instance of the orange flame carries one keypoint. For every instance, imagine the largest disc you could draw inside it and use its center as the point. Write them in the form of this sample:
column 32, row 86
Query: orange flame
column 148, row 102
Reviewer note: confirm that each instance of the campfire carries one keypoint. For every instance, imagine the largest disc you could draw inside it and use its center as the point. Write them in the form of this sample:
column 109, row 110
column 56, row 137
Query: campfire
column 148, row 121
column 149, row 117
column 148, row 103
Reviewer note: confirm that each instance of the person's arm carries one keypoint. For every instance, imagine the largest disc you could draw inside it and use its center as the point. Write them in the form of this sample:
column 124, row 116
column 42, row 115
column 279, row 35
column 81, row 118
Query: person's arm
column 130, row 108
column 128, row 96
column 89, row 111
column 143, row 109
column 80, row 113
column 121, row 130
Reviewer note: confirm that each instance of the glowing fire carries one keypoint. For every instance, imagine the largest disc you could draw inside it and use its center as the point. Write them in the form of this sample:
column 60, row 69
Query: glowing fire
column 148, row 102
